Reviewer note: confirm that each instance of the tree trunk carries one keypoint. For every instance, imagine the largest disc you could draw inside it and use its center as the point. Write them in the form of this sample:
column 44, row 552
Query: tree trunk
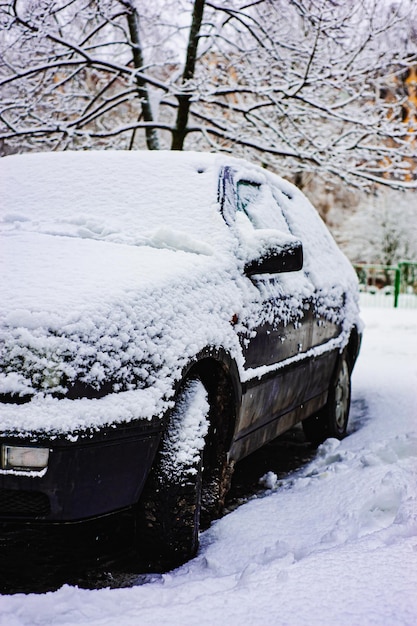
column 152, row 140
column 180, row 130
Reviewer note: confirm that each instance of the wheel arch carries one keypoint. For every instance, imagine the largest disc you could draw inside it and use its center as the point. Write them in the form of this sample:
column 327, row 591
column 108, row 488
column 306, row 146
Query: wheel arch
column 219, row 374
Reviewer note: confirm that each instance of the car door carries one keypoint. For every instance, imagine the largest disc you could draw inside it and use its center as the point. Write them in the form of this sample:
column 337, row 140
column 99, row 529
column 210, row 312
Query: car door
column 276, row 330
column 282, row 304
column 329, row 295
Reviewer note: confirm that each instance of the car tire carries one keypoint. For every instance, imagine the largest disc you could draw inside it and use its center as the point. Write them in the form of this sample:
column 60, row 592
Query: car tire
column 169, row 509
column 332, row 419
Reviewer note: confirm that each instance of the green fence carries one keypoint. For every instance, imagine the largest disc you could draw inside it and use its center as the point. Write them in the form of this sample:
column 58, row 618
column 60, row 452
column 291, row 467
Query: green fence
column 389, row 286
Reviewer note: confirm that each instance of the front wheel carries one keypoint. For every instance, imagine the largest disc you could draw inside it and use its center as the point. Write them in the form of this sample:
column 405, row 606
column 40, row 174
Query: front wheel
column 169, row 511
column 332, row 419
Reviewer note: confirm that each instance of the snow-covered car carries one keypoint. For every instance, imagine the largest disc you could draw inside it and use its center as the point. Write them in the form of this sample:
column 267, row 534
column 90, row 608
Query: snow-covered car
column 163, row 315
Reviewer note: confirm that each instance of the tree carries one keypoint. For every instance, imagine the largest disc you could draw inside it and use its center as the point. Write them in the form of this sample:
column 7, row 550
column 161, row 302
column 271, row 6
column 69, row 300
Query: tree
column 383, row 230
column 297, row 82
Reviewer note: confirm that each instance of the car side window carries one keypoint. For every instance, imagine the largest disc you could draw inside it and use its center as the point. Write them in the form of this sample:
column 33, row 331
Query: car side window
column 257, row 202
column 247, row 194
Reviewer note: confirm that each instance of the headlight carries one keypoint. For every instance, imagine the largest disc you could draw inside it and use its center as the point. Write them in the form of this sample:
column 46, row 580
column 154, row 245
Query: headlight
column 24, row 458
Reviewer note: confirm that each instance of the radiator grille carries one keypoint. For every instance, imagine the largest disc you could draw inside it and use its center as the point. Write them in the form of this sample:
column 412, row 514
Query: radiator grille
column 24, row 503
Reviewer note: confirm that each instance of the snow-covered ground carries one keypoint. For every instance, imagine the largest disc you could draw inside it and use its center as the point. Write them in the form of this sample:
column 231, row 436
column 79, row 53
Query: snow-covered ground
column 335, row 543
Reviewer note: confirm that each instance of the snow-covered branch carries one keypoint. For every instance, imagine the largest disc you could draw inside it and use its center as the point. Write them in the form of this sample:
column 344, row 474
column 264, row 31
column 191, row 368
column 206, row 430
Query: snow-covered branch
column 306, row 85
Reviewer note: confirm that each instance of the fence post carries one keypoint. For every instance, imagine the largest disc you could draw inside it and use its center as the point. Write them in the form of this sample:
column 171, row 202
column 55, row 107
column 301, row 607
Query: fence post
column 397, row 285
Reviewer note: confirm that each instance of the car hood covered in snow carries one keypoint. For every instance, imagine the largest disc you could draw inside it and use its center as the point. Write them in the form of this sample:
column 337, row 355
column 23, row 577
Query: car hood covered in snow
column 93, row 313
column 87, row 320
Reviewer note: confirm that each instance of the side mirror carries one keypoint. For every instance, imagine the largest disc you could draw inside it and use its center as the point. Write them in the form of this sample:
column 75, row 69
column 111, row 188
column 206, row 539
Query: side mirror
column 277, row 259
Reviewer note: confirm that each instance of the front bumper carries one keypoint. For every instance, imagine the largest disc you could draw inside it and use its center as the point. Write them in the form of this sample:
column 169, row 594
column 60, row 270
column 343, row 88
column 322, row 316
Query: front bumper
column 99, row 473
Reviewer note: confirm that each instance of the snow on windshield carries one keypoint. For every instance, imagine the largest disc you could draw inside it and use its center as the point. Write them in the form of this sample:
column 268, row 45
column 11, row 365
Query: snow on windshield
column 122, row 197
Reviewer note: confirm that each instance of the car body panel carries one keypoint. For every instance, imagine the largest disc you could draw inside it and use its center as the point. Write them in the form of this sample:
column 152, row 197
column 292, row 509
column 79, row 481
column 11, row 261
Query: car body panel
column 273, row 404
